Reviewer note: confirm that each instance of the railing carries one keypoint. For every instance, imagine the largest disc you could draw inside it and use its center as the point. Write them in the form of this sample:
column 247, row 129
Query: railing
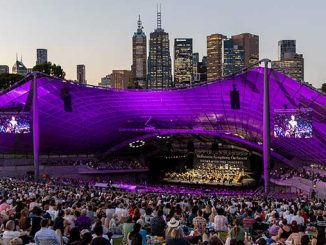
column 305, row 185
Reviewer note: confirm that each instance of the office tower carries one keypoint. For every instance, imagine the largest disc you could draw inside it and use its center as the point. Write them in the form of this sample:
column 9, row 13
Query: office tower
column 19, row 68
column 182, row 61
column 106, row 81
column 250, row 44
column 202, row 69
column 41, row 56
column 4, row 69
column 121, row 79
column 293, row 67
column 195, row 62
column 289, row 63
column 286, row 49
column 159, row 59
column 233, row 57
column 81, row 74
column 204, row 61
column 139, row 56
column 215, row 56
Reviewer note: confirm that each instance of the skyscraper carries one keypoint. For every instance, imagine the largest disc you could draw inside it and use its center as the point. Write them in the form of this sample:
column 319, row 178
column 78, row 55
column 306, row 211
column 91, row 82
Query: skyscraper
column 286, row 49
column 195, row 62
column 4, row 69
column 202, row 69
column 250, row 44
column 215, row 56
column 159, row 59
column 183, row 59
column 19, row 68
column 289, row 63
column 293, row 67
column 41, row 56
column 139, row 56
column 81, row 74
column 233, row 57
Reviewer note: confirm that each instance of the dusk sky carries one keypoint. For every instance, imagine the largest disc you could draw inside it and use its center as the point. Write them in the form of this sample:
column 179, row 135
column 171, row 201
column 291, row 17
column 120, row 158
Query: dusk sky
column 98, row 33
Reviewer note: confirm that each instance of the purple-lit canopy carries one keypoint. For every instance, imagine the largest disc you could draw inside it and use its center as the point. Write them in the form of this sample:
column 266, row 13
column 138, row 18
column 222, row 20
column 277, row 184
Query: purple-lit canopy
column 104, row 120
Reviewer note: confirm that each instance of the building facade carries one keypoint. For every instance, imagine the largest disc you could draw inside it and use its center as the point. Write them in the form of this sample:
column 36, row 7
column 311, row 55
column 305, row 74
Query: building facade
column 106, row 81
column 4, row 69
column 139, row 57
column 289, row 63
column 183, row 61
column 293, row 67
column 215, row 56
column 286, row 49
column 159, row 59
column 250, row 44
column 41, row 56
column 121, row 79
column 233, row 57
column 81, row 74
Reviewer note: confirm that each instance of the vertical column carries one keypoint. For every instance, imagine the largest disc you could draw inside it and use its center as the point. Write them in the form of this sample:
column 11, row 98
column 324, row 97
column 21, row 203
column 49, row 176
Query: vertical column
column 266, row 128
column 36, row 136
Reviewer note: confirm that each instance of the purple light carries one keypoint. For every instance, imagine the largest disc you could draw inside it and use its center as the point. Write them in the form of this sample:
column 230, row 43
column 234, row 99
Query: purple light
column 99, row 114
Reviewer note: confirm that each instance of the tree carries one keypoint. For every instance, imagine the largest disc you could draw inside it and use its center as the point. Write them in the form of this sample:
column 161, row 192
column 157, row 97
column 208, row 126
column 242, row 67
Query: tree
column 7, row 80
column 50, row 69
column 323, row 87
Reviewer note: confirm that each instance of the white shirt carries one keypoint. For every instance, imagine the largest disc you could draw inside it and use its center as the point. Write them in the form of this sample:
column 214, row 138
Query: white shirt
column 298, row 219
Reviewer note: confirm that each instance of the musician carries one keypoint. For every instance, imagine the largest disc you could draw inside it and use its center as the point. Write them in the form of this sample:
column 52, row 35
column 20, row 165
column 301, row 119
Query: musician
column 292, row 127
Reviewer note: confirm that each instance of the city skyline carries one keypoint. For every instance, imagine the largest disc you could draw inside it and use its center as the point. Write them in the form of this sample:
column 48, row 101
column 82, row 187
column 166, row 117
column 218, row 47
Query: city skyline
column 67, row 30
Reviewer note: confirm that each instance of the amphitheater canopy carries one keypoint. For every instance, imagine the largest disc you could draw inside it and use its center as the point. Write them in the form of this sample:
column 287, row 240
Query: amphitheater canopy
column 103, row 119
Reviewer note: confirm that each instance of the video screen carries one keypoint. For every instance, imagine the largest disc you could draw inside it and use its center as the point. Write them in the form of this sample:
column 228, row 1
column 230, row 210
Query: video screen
column 15, row 123
column 293, row 123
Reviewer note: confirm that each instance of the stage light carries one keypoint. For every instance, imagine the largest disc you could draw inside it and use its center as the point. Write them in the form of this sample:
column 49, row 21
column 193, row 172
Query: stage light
column 137, row 144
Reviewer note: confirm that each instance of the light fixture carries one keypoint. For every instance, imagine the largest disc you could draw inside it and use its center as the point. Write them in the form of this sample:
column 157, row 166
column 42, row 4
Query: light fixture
column 137, row 144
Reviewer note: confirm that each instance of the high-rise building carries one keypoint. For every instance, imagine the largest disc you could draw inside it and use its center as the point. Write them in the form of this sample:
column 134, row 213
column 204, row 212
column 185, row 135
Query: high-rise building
column 250, row 44
column 19, row 68
column 183, row 59
column 81, row 74
column 195, row 62
column 159, row 59
column 139, row 56
column 233, row 57
column 202, row 69
column 121, row 79
column 41, row 56
column 106, row 81
column 293, row 67
column 215, row 56
column 4, row 69
column 286, row 49
column 289, row 63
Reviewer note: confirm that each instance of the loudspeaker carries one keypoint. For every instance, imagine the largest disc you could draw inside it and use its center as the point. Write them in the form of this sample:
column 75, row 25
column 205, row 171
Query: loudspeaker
column 235, row 98
column 65, row 95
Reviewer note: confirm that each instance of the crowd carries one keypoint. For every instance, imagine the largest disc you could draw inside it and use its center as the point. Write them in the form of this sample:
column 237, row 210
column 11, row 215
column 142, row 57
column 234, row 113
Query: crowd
column 57, row 211
column 113, row 164
column 287, row 173
column 116, row 164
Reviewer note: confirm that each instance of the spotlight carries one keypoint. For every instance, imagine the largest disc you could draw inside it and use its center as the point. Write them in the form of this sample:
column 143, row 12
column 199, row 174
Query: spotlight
column 137, row 144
